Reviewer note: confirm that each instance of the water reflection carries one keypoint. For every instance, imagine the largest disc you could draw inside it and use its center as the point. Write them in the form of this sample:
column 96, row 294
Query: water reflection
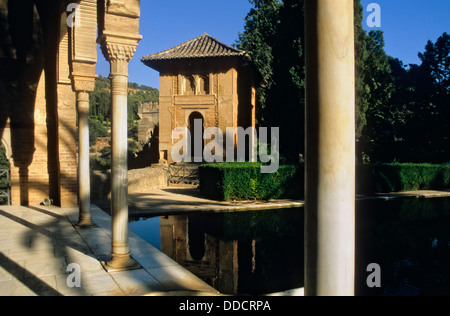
column 409, row 239
column 262, row 252
column 239, row 253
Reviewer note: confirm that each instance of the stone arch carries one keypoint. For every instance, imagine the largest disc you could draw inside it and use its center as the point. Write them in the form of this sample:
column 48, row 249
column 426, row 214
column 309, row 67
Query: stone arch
column 7, row 145
column 189, row 85
column 203, row 85
column 195, row 115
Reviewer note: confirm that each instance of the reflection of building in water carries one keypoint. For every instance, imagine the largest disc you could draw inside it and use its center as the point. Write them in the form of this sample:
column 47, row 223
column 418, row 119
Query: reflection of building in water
column 214, row 261
column 238, row 253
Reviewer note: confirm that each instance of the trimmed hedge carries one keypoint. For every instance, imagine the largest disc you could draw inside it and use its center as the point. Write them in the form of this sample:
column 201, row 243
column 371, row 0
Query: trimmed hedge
column 244, row 181
column 397, row 177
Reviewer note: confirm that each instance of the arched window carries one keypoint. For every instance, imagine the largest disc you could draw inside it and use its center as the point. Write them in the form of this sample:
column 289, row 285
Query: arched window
column 189, row 86
column 203, row 87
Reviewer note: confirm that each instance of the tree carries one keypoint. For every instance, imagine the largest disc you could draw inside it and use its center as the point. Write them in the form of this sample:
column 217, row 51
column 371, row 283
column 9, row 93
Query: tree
column 427, row 133
column 4, row 163
column 361, row 89
column 274, row 37
column 380, row 113
column 100, row 99
column 436, row 63
column 96, row 129
column 286, row 98
column 258, row 40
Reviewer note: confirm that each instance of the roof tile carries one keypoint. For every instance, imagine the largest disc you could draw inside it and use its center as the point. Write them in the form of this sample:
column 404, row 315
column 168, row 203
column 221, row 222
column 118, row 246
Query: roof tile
column 199, row 47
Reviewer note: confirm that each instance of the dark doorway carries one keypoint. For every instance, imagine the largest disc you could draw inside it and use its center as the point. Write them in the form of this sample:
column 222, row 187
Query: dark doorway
column 196, row 122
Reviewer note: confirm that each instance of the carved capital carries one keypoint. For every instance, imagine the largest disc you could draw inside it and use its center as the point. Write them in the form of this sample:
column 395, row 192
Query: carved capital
column 83, row 82
column 117, row 47
column 118, row 52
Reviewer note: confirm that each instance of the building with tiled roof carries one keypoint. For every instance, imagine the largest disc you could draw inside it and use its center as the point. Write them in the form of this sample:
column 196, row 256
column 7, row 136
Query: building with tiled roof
column 203, row 46
column 203, row 79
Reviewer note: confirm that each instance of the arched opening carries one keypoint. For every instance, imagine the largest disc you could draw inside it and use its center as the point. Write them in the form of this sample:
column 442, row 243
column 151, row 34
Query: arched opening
column 203, row 85
column 189, row 86
column 196, row 122
column 5, row 176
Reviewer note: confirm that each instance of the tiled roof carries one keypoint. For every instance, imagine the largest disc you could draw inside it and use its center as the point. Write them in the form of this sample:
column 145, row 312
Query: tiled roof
column 199, row 47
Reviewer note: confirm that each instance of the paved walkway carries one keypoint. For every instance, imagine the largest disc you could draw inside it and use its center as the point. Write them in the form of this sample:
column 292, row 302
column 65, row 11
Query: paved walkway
column 173, row 201
column 38, row 243
column 420, row 194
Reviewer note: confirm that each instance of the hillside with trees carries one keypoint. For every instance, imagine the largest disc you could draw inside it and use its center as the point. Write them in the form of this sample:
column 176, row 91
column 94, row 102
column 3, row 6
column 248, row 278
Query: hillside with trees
column 101, row 99
column 100, row 118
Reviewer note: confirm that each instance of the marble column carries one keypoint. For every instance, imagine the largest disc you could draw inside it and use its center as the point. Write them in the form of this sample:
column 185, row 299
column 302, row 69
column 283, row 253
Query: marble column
column 119, row 55
column 330, row 148
column 84, row 172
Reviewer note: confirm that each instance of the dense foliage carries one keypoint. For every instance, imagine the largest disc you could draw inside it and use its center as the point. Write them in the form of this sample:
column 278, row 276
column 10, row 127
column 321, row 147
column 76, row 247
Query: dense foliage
column 101, row 99
column 274, row 37
column 100, row 118
column 4, row 164
column 397, row 177
column 244, row 181
column 402, row 111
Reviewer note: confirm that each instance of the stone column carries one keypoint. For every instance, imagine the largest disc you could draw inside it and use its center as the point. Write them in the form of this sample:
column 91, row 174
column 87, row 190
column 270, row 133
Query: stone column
column 330, row 148
column 81, row 40
column 84, row 172
column 119, row 53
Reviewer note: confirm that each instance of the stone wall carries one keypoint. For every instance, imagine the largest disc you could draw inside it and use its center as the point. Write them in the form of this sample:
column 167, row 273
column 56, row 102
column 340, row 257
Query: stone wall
column 228, row 101
column 148, row 121
column 139, row 181
column 37, row 114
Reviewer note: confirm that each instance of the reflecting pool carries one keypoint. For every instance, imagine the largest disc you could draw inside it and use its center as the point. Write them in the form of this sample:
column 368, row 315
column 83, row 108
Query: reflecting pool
column 260, row 252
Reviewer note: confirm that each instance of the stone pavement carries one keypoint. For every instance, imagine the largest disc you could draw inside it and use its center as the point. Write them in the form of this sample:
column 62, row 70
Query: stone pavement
column 173, row 201
column 38, row 243
column 179, row 200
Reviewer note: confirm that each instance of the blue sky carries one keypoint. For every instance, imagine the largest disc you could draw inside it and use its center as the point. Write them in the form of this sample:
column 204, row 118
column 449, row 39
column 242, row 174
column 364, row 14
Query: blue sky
column 407, row 26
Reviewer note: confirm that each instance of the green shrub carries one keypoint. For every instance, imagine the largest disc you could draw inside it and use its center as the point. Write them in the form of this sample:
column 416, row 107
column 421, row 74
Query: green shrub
column 244, row 181
column 99, row 163
column 96, row 129
column 397, row 177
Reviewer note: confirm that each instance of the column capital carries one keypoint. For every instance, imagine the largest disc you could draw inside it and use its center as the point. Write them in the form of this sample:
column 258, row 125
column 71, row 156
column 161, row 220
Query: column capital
column 118, row 47
column 83, row 82
column 83, row 103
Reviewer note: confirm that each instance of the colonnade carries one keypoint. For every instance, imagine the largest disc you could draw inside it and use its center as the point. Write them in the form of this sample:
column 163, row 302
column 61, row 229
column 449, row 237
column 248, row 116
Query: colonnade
column 330, row 141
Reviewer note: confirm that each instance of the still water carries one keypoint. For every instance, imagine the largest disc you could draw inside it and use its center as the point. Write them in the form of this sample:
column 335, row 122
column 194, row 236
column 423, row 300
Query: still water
column 262, row 252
